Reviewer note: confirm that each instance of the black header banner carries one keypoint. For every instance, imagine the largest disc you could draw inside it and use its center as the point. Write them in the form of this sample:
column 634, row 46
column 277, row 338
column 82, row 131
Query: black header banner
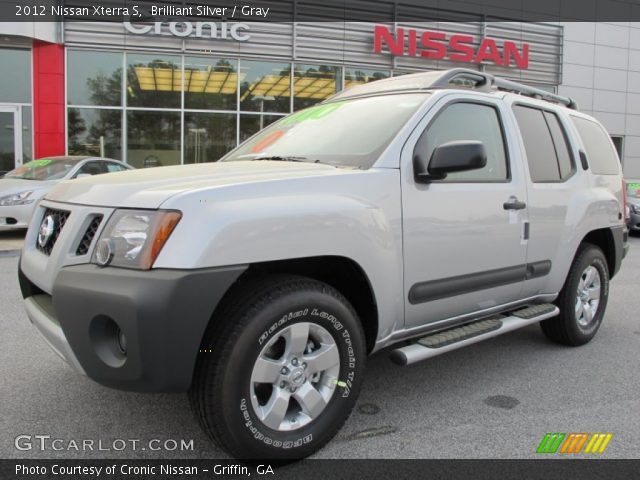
column 320, row 10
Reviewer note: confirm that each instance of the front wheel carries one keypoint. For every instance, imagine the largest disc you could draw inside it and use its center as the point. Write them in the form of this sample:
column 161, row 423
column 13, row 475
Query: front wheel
column 583, row 299
column 280, row 368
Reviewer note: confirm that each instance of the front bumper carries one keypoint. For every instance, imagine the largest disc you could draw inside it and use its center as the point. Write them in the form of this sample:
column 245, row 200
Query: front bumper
column 163, row 315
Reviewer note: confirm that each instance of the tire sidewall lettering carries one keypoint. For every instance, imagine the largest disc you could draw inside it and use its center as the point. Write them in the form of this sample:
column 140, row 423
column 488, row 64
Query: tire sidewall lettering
column 345, row 382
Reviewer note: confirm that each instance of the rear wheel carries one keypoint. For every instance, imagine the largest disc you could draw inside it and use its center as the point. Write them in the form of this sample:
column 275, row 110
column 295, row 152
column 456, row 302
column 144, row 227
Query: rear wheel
column 583, row 299
column 280, row 368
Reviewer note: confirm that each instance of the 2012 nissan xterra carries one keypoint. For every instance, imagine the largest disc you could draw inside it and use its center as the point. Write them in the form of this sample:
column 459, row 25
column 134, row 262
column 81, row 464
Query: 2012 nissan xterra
column 431, row 211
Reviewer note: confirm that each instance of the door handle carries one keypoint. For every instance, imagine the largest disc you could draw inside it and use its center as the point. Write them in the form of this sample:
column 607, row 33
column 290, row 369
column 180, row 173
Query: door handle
column 514, row 204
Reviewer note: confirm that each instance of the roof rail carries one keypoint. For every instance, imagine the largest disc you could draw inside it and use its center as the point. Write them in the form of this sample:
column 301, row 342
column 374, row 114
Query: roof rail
column 486, row 82
column 454, row 78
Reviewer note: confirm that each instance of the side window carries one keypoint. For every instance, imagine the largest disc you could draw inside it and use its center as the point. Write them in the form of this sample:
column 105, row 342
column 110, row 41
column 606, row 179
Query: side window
column 91, row 168
column 469, row 121
column 114, row 167
column 563, row 151
column 601, row 156
column 545, row 143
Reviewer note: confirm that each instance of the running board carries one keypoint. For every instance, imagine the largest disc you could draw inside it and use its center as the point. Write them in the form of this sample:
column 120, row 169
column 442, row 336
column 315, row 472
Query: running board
column 474, row 332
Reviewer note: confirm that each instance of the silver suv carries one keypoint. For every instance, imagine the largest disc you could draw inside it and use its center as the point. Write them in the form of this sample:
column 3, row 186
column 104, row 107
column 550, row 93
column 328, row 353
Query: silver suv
column 431, row 211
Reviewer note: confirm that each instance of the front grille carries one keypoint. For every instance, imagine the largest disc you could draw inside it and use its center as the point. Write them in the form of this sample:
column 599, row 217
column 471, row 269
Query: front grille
column 59, row 217
column 87, row 238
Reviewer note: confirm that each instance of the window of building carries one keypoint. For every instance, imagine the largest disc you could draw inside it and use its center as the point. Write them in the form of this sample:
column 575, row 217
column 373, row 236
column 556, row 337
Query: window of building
column 94, row 78
column 601, row 156
column 470, row 122
column 618, row 142
column 27, row 134
column 96, row 132
column 210, row 84
column 359, row 76
column 153, row 138
column 314, row 83
column 15, row 81
column 154, row 81
column 545, row 144
column 208, row 136
column 15, row 90
column 265, row 86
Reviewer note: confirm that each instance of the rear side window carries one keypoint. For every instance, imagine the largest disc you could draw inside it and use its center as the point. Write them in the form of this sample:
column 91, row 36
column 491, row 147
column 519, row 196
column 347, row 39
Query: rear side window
column 545, row 143
column 561, row 145
column 601, row 156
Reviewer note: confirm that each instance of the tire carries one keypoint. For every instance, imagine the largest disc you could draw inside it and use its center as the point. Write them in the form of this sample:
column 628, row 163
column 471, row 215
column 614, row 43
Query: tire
column 240, row 389
column 574, row 325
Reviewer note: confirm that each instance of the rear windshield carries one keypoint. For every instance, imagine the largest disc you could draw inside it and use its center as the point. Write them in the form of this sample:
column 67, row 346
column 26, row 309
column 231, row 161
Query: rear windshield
column 349, row 133
column 601, row 154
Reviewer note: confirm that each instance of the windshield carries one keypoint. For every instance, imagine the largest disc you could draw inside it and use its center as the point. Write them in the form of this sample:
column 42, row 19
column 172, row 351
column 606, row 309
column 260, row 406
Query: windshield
column 350, row 133
column 44, row 169
column 633, row 189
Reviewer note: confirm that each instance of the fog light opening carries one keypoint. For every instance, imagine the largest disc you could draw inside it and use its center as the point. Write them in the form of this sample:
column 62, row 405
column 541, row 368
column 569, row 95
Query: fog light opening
column 109, row 341
column 122, row 342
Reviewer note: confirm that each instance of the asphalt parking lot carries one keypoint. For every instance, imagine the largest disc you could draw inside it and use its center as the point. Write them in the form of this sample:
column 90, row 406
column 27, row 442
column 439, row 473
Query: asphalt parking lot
column 496, row 399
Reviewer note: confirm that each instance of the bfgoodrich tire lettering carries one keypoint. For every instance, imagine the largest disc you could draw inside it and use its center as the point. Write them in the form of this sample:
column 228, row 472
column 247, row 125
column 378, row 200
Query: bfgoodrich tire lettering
column 583, row 299
column 257, row 316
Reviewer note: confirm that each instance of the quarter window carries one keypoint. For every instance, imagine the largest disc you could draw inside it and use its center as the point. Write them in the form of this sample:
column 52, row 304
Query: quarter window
column 545, row 143
column 470, row 122
column 601, row 155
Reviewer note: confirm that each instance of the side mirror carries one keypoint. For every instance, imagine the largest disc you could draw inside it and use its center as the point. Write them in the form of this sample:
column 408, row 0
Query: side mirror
column 83, row 175
column 450, row 157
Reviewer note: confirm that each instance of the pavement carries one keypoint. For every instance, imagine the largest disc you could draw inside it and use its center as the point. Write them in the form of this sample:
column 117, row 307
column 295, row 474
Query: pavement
column 11, row 242
column 496, row 399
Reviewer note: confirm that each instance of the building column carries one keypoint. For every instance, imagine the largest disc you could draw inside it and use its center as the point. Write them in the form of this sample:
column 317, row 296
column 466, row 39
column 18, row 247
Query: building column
column 48, row 99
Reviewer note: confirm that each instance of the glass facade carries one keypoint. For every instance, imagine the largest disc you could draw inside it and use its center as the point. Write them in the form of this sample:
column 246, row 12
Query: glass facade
column 161, row 109
column 15, row 91
column 92, row 131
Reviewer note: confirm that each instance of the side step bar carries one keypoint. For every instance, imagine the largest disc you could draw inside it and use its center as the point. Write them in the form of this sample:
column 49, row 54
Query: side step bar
column 448, row 340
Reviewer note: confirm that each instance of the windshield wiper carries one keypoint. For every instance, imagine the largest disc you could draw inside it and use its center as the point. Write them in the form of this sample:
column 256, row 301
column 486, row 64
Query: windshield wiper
column 278, row 158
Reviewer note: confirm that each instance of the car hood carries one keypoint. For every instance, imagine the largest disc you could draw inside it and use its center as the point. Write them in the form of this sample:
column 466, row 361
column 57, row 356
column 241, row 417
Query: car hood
column 10, row 186
column 149, row 188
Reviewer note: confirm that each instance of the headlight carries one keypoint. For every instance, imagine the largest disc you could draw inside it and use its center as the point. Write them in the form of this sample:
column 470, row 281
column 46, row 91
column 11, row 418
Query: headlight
column 134, row 238
column 21, row 198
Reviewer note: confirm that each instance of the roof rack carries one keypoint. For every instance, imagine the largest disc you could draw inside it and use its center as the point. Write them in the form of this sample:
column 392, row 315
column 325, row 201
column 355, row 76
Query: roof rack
column 466, row 78
column 454, row 78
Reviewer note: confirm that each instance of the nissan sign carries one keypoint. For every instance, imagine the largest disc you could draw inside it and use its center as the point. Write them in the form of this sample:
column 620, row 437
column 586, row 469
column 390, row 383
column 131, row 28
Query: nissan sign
column 457, row 48
column 222, row 30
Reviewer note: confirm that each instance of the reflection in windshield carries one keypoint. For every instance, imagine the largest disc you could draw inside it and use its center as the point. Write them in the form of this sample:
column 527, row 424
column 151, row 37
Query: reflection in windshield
column 43, row 169
column 350, row 133
column 633, row 189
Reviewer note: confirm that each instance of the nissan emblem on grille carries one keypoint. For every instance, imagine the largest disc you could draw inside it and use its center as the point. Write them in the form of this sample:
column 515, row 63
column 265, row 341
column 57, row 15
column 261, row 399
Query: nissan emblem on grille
column 47, row 227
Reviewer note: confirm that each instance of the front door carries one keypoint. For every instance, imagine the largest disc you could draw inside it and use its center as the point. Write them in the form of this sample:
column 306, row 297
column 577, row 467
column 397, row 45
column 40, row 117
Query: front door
column 10, row 138
column 464, row 248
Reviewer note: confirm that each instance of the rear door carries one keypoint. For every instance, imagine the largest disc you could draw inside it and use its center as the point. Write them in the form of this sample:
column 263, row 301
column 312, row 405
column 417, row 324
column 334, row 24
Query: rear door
column 463, row 242
column 552, row 183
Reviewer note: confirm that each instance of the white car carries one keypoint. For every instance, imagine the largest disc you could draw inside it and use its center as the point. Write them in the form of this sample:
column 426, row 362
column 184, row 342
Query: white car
column 20, row 189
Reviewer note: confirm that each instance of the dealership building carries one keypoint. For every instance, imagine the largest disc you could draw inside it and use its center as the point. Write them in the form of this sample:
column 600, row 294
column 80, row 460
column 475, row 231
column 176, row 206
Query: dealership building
column 187, row 92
